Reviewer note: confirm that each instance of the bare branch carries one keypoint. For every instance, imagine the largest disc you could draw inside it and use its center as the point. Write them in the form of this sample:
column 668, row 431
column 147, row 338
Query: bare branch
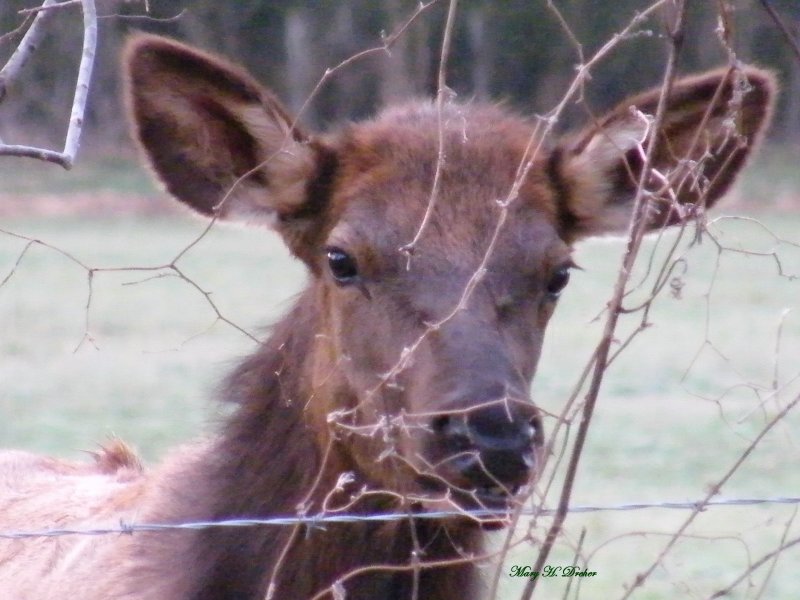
column 759, row 563
column 443, row 94
column 790, row 38
column 713, row 491
column 16, row 31
column 52, row 156
column 84, row 77
column 11, row 71
column 387, row 43
column 68, row 4
column 635, row 235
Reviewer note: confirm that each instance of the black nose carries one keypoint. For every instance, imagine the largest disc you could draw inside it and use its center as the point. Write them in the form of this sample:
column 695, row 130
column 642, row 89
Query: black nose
column 493, row 445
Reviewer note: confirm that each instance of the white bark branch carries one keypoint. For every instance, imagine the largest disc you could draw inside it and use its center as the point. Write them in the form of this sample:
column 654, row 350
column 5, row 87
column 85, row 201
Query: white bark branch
column 12, row 69
column 84, row 77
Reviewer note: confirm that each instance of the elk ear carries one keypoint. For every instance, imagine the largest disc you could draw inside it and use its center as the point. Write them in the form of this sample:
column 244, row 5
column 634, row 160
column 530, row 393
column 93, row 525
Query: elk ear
column 220, row 142
column 712, row 124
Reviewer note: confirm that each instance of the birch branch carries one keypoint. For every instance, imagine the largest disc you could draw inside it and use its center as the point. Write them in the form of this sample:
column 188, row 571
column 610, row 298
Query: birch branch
column 12, row 69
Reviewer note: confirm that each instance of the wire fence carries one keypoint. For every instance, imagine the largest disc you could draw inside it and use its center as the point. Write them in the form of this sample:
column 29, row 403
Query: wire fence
column 319, row 521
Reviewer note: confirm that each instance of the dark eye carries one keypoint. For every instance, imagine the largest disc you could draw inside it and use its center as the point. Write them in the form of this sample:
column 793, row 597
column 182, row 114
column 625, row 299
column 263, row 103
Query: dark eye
column 343, row 266
column 558, row 282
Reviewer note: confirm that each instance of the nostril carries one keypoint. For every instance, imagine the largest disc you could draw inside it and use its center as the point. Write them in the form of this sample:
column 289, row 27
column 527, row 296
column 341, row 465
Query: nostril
column 491, row 424
column 497, row 428
column 440, row 423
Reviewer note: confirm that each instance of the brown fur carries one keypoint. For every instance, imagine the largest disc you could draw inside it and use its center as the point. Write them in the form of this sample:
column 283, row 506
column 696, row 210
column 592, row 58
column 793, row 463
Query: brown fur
column 332, row 413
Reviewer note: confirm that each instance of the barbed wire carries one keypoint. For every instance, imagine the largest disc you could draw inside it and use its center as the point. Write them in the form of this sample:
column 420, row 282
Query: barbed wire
column 319, row 521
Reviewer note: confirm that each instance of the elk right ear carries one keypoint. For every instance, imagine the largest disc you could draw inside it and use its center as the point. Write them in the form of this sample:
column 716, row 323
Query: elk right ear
column 712, row 124
column 220, row 142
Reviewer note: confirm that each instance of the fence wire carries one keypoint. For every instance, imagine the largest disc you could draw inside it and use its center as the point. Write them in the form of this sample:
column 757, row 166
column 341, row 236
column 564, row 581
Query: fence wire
column 319, row 521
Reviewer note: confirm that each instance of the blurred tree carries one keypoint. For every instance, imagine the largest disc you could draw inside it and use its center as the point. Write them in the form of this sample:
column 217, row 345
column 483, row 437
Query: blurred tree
column 519, row 51
column 761, row 43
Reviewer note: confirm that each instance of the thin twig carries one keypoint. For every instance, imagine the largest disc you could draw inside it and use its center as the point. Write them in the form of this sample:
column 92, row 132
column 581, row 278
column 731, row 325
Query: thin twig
column 776, row 555
column 635, row 234
column 790, row 39
column 170, row 268
column 783, row 547
column 443, row 95
column 6, row 37
column 713, row 491
column 575, row 559
column 387, row 43
column 64, row 4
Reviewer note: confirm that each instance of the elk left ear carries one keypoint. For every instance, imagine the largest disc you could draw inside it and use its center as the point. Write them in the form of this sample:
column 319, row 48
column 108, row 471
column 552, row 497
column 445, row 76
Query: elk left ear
column 712, row 124
column 221, row 143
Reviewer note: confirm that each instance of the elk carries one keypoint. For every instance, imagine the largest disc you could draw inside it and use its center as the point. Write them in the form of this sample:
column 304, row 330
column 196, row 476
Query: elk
column 399, row 381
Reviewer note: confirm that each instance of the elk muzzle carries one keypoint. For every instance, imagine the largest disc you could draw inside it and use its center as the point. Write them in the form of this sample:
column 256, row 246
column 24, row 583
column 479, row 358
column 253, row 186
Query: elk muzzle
column 489, row 452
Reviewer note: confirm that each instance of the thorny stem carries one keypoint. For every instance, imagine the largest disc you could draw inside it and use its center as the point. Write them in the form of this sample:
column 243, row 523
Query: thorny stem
column 442, row 96
column 536, row 142
column 388, row 42
column 635, row 235
column 395, row 568
column 532, row 151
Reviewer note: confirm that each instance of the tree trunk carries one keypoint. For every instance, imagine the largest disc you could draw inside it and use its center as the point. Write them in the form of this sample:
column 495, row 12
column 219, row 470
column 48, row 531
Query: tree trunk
column 481, row 53
column 300, row 63
column 396, row 81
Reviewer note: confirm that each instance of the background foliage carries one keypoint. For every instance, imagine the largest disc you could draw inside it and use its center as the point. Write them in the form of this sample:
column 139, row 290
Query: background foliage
column 514, row 50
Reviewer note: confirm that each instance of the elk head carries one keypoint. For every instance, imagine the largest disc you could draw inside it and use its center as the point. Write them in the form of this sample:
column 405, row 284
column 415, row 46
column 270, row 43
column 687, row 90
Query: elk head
column 423, row 355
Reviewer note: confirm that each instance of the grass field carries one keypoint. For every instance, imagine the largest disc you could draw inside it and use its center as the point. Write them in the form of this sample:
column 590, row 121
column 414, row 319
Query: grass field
column 677, row 409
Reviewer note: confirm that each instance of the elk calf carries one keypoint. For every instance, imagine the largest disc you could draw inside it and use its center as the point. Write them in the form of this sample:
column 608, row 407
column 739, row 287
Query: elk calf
column 400, row 379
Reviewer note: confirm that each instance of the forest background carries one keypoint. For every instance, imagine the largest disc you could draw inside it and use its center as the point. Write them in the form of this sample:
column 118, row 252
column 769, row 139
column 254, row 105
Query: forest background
column 514, row 51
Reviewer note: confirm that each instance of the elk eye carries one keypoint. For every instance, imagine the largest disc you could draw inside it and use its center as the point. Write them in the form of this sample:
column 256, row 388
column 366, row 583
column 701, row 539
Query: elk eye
column 342, row 265
column 558, row 282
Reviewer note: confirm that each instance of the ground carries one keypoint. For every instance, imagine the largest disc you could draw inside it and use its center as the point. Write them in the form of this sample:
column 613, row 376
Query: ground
column 677, row 409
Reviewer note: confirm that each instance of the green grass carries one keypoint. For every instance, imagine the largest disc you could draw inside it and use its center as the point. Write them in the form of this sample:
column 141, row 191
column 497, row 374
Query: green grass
column 677, row 409
column 772, row 182
column 158, row 349
column 670, row 420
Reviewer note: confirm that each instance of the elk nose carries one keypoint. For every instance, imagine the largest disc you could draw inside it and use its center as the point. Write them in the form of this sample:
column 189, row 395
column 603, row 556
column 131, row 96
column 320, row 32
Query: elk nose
column 491, row 446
